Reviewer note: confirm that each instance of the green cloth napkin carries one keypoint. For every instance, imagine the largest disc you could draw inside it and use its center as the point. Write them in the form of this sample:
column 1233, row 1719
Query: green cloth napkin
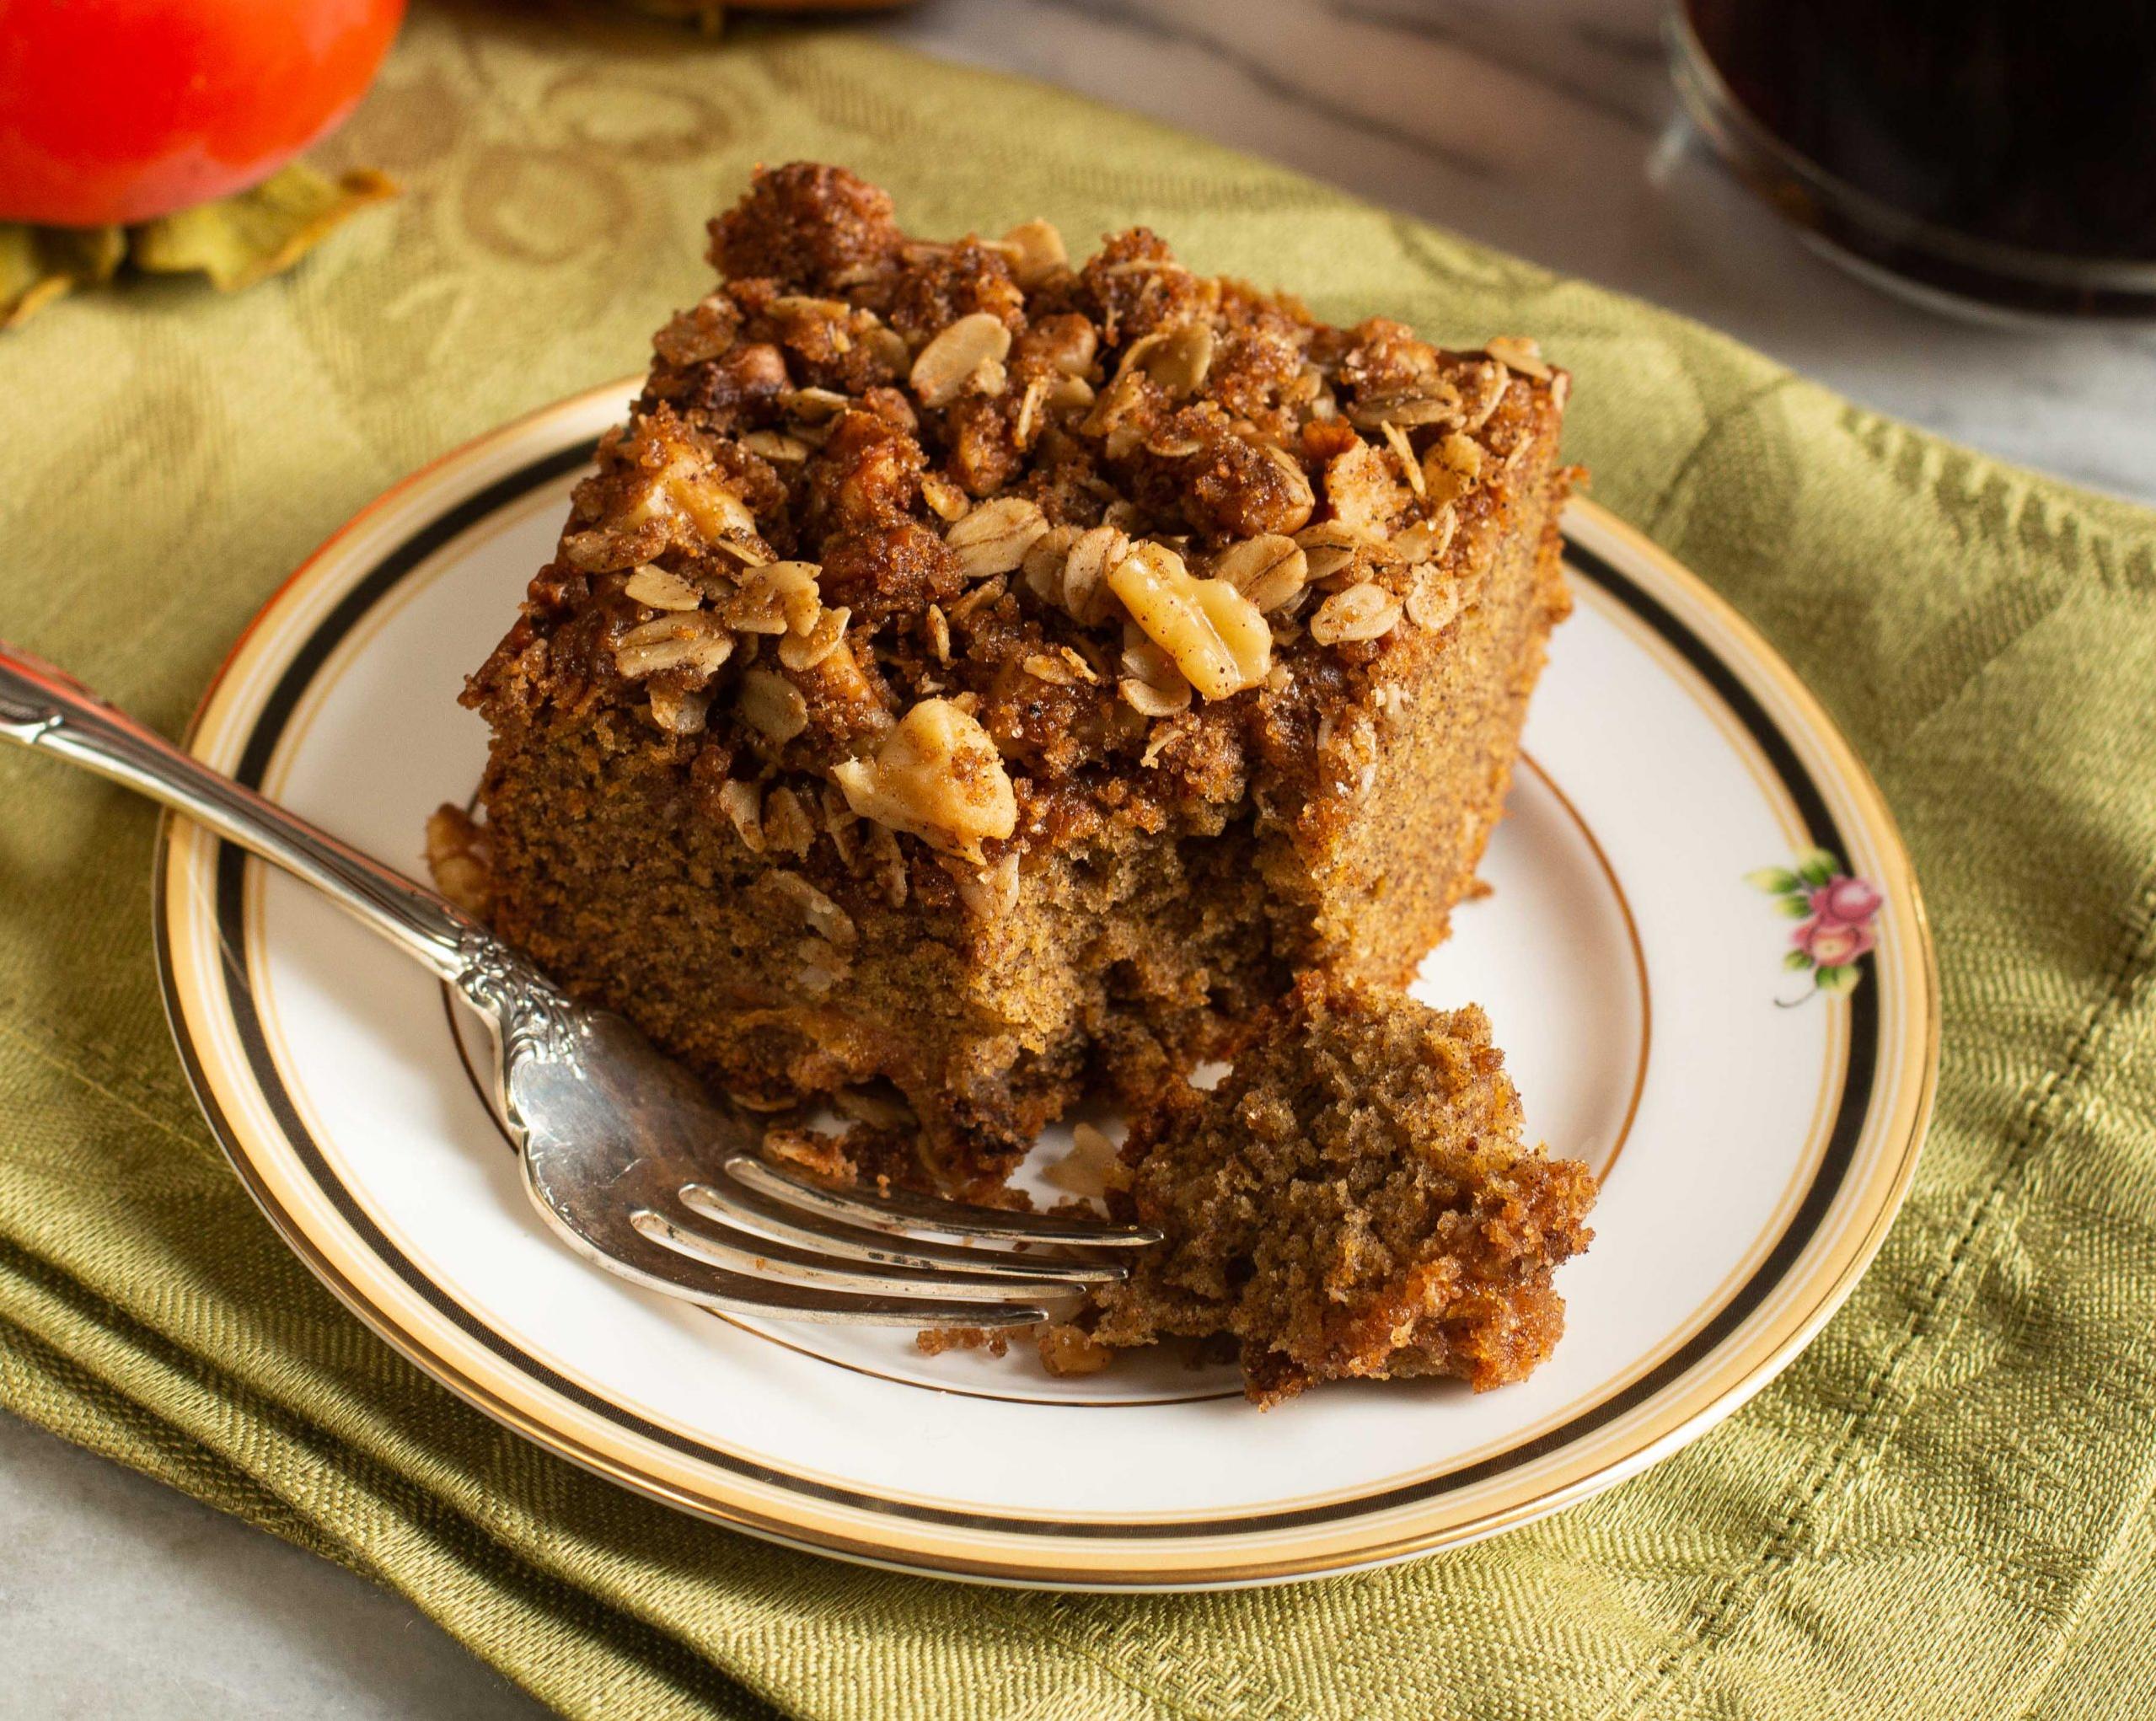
column 1943, row 1509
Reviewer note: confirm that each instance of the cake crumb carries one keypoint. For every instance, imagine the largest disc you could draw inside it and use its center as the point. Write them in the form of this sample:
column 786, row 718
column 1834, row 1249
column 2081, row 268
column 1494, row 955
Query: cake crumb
column 1353, row 1200
column 935, row 1340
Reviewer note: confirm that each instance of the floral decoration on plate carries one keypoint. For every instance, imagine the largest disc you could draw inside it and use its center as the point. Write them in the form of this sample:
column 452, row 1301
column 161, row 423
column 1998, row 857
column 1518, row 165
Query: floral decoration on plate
column 1839, row 917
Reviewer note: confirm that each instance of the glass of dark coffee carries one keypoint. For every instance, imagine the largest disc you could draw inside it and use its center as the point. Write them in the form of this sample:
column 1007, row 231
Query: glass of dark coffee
column 1994, row 153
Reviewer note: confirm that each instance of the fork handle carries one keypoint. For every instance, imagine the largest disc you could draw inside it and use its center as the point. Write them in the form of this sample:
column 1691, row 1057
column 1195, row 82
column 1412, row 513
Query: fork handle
column 49, row 711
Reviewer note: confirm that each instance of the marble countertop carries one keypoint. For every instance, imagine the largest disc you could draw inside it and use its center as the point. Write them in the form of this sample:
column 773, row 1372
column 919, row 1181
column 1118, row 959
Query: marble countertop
column 1544, row 126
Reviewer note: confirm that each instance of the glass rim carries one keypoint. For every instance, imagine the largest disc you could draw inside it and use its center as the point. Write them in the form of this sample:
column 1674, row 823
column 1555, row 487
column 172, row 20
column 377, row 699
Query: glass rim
column 1749, row 144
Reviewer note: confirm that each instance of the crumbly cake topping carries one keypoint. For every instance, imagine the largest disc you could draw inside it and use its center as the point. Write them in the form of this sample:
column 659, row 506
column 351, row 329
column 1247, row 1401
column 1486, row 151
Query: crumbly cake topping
column 938, row 551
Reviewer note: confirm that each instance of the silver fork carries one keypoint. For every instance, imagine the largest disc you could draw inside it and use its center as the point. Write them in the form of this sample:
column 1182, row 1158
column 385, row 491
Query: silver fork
column 623, row 1153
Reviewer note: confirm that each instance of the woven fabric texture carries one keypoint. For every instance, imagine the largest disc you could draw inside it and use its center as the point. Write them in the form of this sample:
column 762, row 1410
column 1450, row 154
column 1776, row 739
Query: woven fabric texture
column 1942, row 1510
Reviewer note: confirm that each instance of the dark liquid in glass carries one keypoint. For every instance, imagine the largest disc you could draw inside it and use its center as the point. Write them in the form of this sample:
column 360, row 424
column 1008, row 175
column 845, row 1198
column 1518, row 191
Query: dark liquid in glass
column 2002, row 148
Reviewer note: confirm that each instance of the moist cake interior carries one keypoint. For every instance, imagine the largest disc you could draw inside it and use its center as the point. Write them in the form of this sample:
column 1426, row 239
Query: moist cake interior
column 1355, row 1200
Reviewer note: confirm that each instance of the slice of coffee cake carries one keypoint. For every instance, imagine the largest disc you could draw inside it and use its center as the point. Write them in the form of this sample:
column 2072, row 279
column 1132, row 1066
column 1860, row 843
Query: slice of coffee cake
column 995, row 675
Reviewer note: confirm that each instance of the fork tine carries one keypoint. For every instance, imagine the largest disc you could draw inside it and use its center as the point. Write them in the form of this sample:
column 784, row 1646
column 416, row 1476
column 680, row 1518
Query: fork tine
column 754, row 1211
column 658, row 1268
column 742, row 1253
column 902, row 1211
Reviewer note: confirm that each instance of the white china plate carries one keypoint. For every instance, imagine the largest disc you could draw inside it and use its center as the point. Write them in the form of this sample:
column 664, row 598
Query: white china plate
column 1756, row 1133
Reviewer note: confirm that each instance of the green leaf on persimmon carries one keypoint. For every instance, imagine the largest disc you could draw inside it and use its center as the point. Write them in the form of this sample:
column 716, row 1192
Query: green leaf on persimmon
column 238, row 240
column 40, row 264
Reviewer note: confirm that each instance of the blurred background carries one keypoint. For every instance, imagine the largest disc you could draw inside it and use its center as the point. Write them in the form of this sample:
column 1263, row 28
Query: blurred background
column 1553, row 129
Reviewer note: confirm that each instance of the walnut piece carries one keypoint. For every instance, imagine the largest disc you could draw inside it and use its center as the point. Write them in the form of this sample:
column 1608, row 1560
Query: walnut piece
column 1089, row 1167
column 1215, row 634
column 936, row 775
column 987, row 892
column 1361, row 489
column 683, row 491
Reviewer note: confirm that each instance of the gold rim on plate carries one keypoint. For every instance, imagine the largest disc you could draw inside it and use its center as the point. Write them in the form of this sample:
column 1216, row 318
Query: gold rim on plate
column 1793, row 1288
